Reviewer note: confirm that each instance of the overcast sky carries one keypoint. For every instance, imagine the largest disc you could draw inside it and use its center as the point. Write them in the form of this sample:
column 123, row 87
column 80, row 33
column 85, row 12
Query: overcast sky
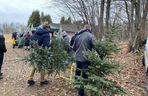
column 20, row 10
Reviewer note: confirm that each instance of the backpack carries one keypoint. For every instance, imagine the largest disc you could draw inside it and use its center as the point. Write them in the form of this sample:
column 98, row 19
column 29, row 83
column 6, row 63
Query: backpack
column 73, row 39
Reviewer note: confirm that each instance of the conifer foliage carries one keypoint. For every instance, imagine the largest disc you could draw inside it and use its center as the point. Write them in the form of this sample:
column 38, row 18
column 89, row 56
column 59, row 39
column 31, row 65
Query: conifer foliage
column 101, row 66
column 52, row 59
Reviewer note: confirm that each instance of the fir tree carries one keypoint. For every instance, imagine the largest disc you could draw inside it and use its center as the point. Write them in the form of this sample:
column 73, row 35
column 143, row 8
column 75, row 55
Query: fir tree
column 101, row 66
column 68, row 21
column 53, row 59
column 62, row 21
column 34, row 19
column 46, row 18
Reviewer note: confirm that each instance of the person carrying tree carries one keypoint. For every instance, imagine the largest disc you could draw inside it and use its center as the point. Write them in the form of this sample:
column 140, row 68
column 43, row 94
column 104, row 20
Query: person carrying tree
column 42, row 37
column 84, row 41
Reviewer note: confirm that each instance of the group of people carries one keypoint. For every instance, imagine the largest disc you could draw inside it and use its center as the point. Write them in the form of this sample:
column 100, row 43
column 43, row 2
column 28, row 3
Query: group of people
column 82, row 41
column 20, row 40
column 42, row 36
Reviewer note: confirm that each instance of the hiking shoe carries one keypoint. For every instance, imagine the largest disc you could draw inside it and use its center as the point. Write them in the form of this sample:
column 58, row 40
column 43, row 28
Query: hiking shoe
column 31, row 82
column 44, row 82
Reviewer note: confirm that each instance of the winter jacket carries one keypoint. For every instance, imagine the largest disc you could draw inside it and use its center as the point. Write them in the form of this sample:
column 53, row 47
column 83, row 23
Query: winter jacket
column 2, row 45
column 27, row 35
column 42, row 36
column 73, row 39
column 66, row 39
column 84, row 41
column 14, row 35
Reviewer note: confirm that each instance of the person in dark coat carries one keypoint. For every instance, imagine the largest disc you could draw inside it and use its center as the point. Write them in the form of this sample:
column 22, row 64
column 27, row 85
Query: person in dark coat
column 73, row 39
column 66, row 38
column 42, row 36
column 2, row 51
column 84, row 41
column 27, row 40
column 14, row 37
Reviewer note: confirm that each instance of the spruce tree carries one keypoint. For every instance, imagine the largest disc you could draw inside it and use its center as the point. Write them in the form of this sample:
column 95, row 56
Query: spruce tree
column 42, row 16
column 62, row 21
column 52, row 60
column 68, row 21
column 34, row 19
column 98, row 83
column 47, row 18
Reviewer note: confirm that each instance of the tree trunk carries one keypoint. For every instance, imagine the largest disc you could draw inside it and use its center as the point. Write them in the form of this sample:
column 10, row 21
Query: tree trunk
column 131, row 26
column 138, row 40
column 107, row 16
column 101, row 27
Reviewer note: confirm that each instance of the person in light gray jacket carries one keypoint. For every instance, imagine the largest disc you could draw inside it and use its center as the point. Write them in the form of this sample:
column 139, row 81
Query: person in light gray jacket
column 66, row 38
column 84, row 41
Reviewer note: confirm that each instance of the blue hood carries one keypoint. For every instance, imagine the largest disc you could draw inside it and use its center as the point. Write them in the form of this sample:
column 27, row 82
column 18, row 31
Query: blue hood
column 41, row 31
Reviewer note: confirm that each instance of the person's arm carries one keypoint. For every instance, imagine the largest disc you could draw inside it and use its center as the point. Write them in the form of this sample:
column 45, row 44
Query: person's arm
column 2, row 44
column 46, row 41
column 5, row 50
column 92, row 41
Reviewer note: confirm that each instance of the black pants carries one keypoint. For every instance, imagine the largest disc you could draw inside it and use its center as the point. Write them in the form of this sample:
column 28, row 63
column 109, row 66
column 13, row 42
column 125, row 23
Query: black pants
column 81, row 68
column 1, row 60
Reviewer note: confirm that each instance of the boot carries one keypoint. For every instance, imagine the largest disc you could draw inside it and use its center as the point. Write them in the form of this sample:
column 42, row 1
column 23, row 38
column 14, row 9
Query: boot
column 31, row 82
column 44, row 82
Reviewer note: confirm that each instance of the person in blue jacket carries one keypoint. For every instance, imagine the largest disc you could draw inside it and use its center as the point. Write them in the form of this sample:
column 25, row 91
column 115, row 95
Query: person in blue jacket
column 2, row 51
column 42, row 36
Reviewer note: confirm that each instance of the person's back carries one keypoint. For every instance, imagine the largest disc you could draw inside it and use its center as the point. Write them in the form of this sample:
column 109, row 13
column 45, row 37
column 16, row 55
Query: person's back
column 42, row 36
column 83, row 42
column 66, row 38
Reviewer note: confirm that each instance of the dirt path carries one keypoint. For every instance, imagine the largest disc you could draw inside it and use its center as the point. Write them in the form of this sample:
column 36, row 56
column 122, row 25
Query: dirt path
column 16, row 74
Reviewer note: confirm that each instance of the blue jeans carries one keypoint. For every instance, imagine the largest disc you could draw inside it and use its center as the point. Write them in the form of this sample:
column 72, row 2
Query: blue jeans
column 81, row 68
